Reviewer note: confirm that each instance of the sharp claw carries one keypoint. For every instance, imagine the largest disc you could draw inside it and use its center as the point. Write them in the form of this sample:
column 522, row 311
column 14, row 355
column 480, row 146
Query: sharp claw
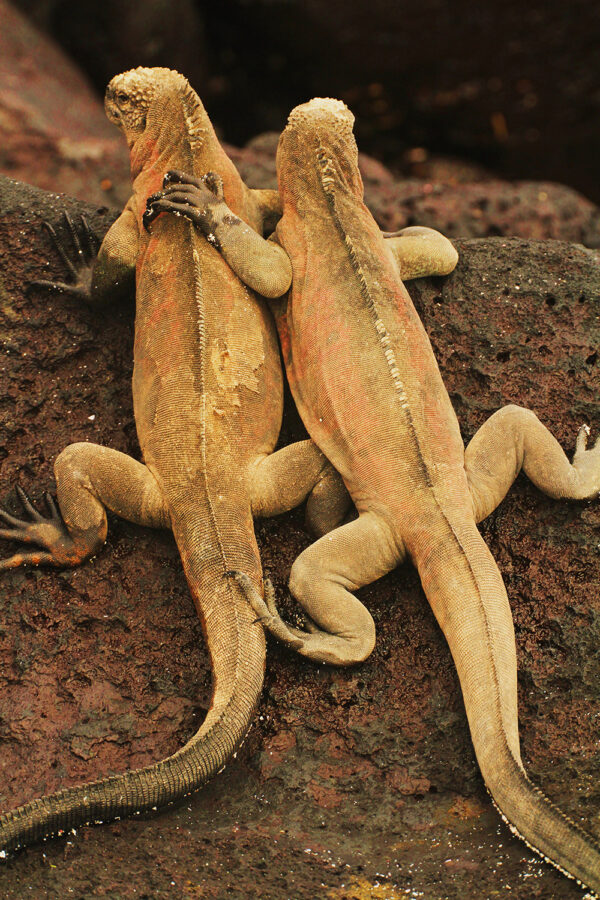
column 91, row 241
column 73, row 232
column 173, row 175
column 51, row 505
column 582, row 439
column 13, row 534
column 60, row 249
column 22, row 559
column 10, row 520
column 149, row 217
column 27, row 504
column 48, row 285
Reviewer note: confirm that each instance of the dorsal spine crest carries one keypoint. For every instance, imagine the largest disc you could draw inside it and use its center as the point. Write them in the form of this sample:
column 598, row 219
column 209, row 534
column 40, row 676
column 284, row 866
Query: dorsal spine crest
column 327, row 177
column 195, row 120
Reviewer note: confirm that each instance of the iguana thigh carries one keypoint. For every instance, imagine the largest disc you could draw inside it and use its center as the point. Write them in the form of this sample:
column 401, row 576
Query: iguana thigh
column 282, row 480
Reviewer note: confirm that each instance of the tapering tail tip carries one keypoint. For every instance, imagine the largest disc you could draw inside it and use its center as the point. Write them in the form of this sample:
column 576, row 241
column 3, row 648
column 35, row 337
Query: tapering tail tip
column 153, row 786
column 546, row 830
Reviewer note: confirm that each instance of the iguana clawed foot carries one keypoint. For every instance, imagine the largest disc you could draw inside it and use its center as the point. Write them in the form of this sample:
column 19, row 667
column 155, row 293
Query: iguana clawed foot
column 78, row 258
column 184, row 195
column 48, row 532
column 586, row 463
column 266, row 610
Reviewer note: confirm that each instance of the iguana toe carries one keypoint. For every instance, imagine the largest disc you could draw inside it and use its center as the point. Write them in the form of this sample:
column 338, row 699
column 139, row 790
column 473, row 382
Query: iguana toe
column 49, row 532
column 77, row 254
column 267, row 611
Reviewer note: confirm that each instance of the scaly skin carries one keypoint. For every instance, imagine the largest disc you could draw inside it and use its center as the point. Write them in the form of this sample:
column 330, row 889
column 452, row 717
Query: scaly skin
column 207, row 390
column 366, row 383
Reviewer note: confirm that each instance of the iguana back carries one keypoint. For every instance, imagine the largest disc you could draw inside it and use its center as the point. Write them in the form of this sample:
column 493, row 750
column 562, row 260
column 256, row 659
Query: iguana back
column 207, row 391
column 366, row 383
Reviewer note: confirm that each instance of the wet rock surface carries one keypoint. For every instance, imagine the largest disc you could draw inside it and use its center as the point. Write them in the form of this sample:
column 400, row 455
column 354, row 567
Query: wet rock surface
column 351, row 784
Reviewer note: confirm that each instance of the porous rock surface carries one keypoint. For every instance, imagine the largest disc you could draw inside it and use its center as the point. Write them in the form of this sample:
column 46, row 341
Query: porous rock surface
column 352, row 784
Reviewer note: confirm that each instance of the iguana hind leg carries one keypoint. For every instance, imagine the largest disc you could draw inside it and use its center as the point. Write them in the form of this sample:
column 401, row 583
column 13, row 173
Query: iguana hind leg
column 90, row 479
column 282, row 480
column 514, row 439
column 322, row 579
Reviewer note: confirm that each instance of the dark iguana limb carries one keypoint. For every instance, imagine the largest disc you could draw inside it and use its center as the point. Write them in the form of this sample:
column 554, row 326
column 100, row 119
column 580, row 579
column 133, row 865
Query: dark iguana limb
column 202, row 202
column 78, row 256
column 366, row 383
column 514, row 439
column 98, row 276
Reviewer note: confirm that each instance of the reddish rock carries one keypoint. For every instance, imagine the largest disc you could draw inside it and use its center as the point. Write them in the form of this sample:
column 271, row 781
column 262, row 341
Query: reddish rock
column 54, row 131
column 104, row 667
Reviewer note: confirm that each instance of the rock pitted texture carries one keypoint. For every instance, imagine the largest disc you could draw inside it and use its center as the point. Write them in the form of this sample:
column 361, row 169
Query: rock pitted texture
column 355, row 783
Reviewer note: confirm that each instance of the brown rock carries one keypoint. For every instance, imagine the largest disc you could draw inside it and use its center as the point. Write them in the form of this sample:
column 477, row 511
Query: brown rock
column 480, row 207
column 104, row 667
column 54, row 131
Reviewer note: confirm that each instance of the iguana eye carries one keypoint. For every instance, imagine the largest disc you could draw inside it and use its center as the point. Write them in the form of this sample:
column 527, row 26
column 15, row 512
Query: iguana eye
column 122, row 97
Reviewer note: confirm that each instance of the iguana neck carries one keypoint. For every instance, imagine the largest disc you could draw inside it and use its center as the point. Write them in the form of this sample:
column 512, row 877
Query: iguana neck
column 180, row 135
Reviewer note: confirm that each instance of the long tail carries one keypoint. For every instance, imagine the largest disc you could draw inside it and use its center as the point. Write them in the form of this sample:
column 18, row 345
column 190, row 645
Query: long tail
column 238, row 667
column 468, row 598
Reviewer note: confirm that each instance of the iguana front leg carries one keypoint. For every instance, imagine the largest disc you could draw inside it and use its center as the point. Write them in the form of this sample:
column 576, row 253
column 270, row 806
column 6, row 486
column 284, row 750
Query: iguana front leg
column 89, row 479
column 514, row 439
column 262, row 265
column 418, row 251
column 78, row 258
column 97, row 276
column 421, row 252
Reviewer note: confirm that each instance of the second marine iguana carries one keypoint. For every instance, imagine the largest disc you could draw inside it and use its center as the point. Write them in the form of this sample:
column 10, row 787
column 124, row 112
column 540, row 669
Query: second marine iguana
column 368, row 388
column 207, row 389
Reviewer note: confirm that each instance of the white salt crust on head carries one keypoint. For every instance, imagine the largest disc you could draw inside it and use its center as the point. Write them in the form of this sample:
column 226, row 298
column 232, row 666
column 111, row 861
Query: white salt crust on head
column 322, row 107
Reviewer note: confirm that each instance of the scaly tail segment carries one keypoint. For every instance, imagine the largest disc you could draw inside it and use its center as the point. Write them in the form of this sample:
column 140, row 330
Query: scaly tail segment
column 535, row 813
column 155, row 785
column 467, row 595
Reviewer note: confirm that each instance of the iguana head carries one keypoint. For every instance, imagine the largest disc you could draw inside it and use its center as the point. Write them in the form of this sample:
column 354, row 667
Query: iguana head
column 157, row 110
column 318, row 145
